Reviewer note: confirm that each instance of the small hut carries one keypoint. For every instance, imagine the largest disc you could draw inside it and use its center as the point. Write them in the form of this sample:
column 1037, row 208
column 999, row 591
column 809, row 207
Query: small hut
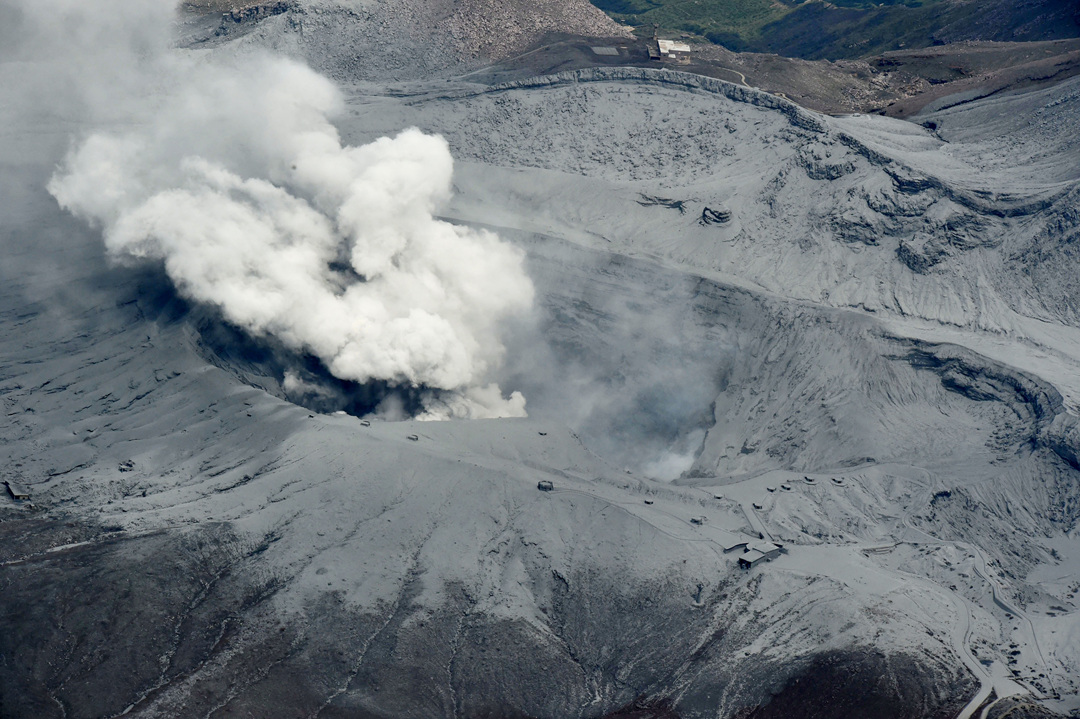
column 16, row 491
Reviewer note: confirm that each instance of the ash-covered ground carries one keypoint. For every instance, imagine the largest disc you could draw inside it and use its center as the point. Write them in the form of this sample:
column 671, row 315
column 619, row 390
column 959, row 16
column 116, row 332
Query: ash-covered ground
column 854, row 337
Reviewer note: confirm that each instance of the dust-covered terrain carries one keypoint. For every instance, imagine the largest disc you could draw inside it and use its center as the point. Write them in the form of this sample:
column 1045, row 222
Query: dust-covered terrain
column 748, row 325
column 898, row 83
column 513, row 41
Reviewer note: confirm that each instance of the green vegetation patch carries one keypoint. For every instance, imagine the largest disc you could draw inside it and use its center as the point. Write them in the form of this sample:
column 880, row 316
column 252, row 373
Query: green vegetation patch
column 871, row 4
column 815, row 29
column 741, row 19
column 756, row 24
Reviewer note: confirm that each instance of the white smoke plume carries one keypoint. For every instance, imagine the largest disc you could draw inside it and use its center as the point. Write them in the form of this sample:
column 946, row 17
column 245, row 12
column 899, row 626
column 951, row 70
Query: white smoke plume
column 235, row 179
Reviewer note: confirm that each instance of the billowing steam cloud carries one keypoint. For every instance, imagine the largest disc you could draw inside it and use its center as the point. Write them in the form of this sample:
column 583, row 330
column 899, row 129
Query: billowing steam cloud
column 236, row 180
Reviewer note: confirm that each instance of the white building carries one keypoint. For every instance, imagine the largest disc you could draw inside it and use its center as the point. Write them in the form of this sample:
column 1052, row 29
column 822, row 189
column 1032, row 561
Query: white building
column 757, row 552
column 669, row 50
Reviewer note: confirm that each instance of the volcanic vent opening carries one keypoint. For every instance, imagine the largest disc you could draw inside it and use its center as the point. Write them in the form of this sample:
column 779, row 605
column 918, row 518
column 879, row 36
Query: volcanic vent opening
column 245, row 195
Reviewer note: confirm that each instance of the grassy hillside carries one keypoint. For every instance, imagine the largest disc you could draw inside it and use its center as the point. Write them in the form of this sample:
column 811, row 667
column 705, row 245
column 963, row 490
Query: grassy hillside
column 847, row 28
column 741, row 19
column 731, row 22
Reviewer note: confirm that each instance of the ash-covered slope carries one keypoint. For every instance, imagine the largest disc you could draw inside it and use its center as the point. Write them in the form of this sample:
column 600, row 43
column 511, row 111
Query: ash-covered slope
column 195, row 545
column 935, row 218
column 413, row 39
column 954, row 363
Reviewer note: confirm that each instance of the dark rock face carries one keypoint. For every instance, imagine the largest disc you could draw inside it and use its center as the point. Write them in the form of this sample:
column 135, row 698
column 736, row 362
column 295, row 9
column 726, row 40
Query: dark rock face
column 89, row 630
column 1019, row 708
column 853, row 685
column 710, row 216
column 184, row 623
column 818, row 31
column 645, row 709
column 921, row 259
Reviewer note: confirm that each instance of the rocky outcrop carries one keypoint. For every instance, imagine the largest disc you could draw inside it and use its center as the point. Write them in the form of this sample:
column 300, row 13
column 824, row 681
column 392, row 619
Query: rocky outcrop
column 496, row 30
column 409, row 39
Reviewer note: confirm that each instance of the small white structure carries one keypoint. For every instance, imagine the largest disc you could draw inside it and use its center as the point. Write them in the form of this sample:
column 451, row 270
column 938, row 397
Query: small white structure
column 673, row 49
column 670, row 50
column 16, row 491
column 698, row 520
column 545, row 485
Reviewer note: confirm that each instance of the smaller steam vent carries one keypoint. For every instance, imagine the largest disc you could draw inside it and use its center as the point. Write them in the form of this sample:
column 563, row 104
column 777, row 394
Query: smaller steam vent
column 545, row 485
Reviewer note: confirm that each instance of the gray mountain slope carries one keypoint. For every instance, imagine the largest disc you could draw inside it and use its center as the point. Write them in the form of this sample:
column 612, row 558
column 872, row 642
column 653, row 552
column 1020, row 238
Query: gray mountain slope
column 353, row 40
column 872, row 361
